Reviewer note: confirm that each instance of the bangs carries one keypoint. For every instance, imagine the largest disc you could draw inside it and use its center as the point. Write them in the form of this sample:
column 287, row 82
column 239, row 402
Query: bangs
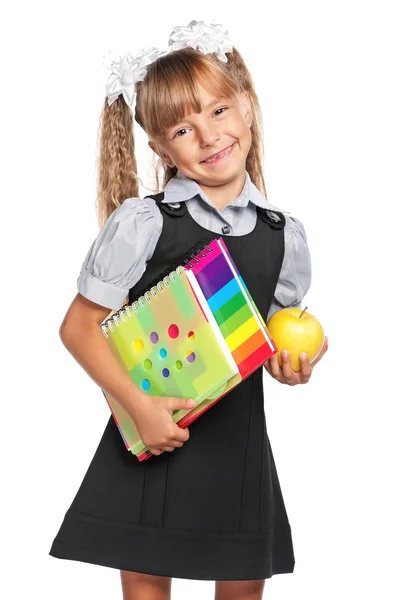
column 171, row 89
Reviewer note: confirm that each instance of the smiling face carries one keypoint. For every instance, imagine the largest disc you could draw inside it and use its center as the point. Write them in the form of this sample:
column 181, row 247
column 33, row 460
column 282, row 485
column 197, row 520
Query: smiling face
column 222, row 125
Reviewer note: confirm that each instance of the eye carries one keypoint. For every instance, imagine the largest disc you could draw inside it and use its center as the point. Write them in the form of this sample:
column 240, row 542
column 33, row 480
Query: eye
column 179, row 131
column 223, row 108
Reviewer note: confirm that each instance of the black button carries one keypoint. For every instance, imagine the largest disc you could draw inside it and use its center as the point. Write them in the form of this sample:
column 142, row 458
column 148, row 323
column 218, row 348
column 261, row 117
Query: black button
column 176, row 209
column 226, row 229
column 275, row 219
column 273, row 216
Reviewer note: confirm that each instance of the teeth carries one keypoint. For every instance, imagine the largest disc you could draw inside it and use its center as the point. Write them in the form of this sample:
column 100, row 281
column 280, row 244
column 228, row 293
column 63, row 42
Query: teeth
column 219, row 155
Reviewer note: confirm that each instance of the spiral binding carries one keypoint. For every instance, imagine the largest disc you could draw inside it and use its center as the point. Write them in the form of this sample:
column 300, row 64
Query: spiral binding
column 155, row 287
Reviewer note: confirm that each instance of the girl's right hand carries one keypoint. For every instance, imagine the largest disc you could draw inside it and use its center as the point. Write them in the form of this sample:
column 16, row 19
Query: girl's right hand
column 153, row 419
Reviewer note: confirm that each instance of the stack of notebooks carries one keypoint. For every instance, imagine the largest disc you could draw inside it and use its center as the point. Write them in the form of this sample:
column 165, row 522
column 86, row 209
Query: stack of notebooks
column 196, row 334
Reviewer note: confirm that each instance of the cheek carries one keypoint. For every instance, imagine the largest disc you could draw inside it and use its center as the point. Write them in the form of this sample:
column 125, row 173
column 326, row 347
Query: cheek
column 243, row 129
column 246, row 136
column 183, row 155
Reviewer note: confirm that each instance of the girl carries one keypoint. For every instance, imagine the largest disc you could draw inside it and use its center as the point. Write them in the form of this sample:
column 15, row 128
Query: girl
column 214, row 508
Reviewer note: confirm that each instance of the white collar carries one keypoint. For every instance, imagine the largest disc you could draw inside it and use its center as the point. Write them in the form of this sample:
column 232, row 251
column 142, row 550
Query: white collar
column 181, row 188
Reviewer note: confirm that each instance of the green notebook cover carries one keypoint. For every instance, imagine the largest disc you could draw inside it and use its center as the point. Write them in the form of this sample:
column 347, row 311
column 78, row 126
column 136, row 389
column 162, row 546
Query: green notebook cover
column 169, row 348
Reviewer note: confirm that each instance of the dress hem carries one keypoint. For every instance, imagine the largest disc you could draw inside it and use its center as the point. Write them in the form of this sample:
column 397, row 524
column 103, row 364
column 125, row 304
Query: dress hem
column 228, row 556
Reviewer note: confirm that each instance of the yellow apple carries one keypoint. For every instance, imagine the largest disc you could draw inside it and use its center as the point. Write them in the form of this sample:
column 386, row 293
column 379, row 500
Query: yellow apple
column 297, row 331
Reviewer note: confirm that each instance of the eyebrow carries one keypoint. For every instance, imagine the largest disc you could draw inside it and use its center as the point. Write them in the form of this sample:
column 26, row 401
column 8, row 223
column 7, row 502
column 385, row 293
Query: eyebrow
column 216, row 101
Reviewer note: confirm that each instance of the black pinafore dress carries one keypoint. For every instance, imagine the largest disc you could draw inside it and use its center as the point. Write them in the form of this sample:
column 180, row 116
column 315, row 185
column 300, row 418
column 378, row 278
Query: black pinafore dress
column 212, row 509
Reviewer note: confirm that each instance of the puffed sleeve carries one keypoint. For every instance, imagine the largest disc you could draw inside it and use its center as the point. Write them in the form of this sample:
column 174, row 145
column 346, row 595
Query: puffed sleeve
column 295, row 276
column 118, row 256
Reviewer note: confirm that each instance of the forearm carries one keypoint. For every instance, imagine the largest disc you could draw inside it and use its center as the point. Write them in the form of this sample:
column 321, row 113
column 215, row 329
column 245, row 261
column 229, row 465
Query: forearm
column 88, row 346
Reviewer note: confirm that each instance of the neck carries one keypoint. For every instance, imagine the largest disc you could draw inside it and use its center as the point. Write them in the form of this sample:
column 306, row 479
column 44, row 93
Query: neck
column 221, row 195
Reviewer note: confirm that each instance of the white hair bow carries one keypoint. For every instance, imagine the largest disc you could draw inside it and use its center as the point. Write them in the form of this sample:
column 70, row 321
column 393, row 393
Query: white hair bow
column 206, row 37
column 127, row 71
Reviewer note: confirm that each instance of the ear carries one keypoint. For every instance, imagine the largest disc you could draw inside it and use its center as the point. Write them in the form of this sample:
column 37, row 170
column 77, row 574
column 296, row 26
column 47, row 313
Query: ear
column 247, row 108
column 160, row 152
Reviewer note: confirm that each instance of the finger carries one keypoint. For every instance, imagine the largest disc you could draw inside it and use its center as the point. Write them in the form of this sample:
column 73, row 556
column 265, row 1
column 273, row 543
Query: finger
column 269, row 371
column 305, row 368
column 321, row 353
column 156, row 451
column 181, row 434
column 324, row 348
column 290, row 376
column 267, row 367
column 287, row 370
column 176, row 442
column 169, row 448
column 274, row 366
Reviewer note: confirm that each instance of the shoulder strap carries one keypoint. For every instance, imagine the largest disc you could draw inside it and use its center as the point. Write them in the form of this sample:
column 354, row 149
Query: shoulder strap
column 157, row 197
column 175, row 209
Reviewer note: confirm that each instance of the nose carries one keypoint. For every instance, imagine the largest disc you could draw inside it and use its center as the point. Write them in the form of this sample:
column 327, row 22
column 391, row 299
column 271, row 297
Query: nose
column 208, row 135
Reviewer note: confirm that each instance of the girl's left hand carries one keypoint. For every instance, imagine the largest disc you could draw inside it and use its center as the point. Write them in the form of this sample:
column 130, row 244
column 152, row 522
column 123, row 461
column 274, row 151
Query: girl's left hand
column 286, row 373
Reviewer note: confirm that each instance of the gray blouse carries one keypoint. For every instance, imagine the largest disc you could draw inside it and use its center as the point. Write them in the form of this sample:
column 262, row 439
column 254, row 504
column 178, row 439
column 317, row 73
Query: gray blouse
column 118, row 256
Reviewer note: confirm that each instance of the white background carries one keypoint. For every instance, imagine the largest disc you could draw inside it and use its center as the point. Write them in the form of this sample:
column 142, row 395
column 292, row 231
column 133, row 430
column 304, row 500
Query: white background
column 326, row 77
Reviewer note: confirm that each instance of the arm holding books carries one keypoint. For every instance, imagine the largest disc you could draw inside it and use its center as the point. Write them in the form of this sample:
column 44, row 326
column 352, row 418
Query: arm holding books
column 82, row 336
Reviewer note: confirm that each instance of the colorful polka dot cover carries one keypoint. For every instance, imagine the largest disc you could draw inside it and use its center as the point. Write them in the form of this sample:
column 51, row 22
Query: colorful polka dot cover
column 169, row 347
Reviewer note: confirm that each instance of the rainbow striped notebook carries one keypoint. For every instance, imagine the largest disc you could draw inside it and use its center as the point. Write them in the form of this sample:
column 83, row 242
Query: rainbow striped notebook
column 224, row 295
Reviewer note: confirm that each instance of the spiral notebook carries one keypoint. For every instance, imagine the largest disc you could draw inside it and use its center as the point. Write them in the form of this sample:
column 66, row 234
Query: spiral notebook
column 168, row 347
column 200, row 315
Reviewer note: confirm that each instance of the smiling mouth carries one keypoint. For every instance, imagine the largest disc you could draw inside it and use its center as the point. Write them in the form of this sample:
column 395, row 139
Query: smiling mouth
column 218, row 155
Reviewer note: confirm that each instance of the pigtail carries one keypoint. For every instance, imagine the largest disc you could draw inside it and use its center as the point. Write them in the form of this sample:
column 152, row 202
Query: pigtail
column 117, row 177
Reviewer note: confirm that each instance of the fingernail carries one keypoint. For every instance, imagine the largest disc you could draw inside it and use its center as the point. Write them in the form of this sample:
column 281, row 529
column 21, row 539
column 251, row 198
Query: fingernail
column 285, row 354
column 191, row 402
column 303, row 356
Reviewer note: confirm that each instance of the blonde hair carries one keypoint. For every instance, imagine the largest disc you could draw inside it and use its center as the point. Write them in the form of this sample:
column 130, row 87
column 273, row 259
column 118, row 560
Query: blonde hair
column 168, row 92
